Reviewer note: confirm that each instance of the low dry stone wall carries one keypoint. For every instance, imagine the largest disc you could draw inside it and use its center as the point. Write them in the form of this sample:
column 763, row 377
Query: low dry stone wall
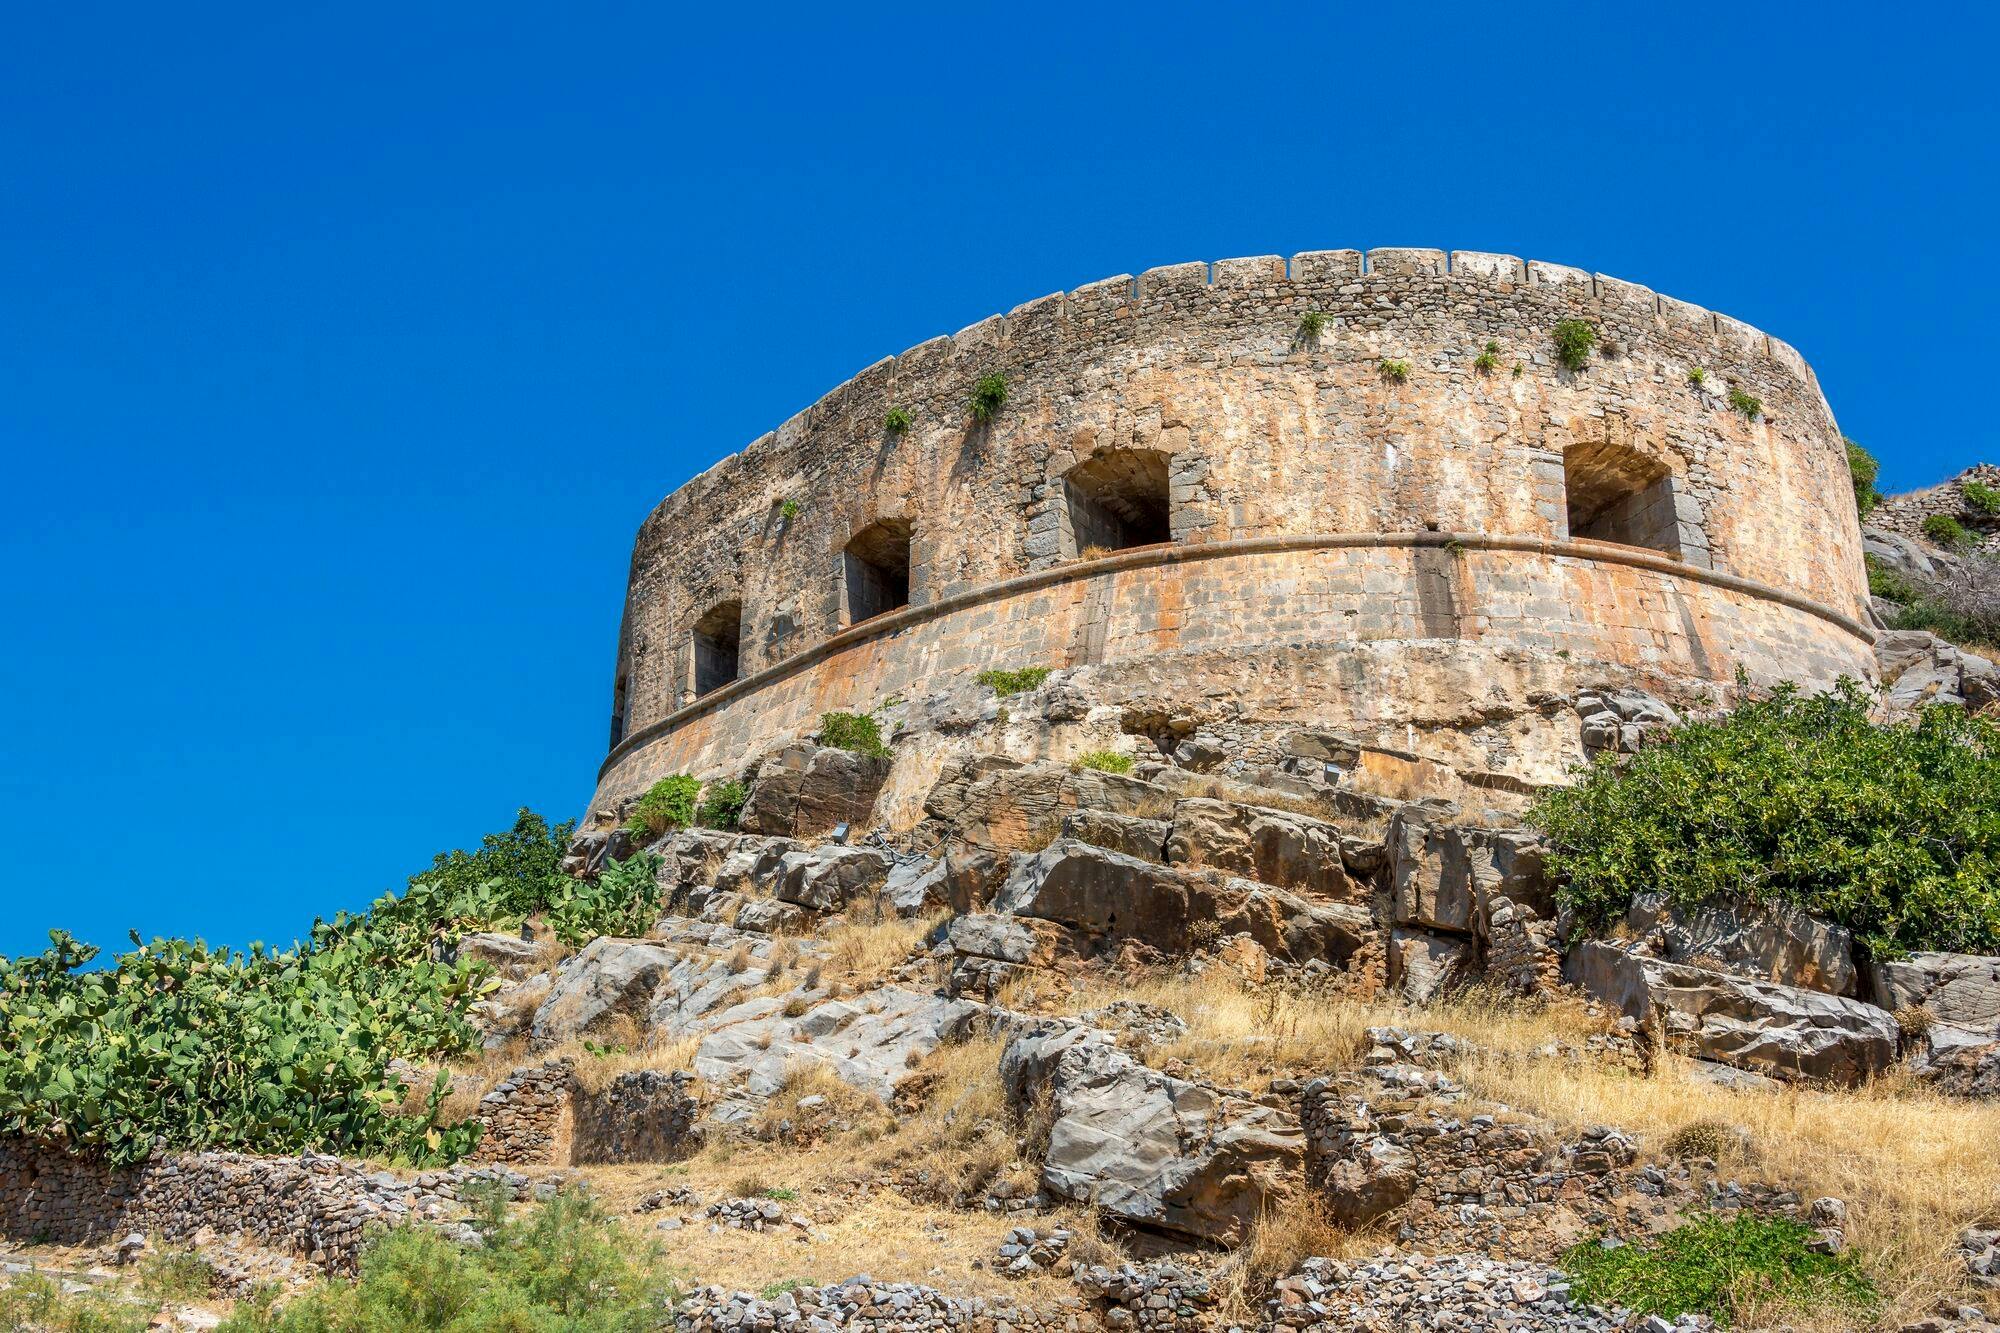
column 863, row 1304
column 316, row 1207
column 523, row 1116
column 540, row 1116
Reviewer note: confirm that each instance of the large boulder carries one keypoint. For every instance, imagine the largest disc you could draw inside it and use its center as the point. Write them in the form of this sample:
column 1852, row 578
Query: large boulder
column 1783, row 1031
column 869, row 1041
column 611, row 980
column 1358, row 1171
column 1423, row 966
column 1111, row 897
column 1270, row 846
column 994, row 801
column 1007, row 939
column 1127, row 834
column 805, row 790
column 1767, row 942
column 1960, row 989
column 1444, row 876
column 1918, row 668
column 826, row 879
column 1151, row 1150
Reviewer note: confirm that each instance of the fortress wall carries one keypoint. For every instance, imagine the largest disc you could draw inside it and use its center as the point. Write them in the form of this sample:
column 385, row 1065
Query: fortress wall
column 1413, row 646
column 1262, row 438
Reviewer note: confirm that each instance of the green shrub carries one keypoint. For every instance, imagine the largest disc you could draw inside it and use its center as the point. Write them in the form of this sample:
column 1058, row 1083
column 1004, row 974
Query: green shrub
column 1715, row 1264
column 788, row 509
column 1574, row 339
column 1017, row 681
column 565, row 1267
column 1311, row 325
column 1862, row 468
column 1104, row 761
column 1891, row 830
column 1746, row 404
column 858, row 732
column 1888, row 584
column 1697, row 377
column 721, row 805
column 1488, row 358
column 1981, row 499
column 624, row 901
column 988, row 396
column 896, row 421
column 667, row 805
column 1393, row 369
column 34, row 1301
column 176, row 1275
column 1963, row 607
column 267, row 1050
column 1947, row 531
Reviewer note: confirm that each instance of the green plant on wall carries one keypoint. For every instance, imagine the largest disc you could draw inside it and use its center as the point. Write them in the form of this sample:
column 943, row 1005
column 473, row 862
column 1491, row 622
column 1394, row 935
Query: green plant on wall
column 1863, row 468
column 988, row 396
column 896, row 421
column 667, row 805
column 1697, row 377
column 1488, row 358
column 1746, row 404
column 788, row 510
column 1981, row 499
column 1311, row 325
column 1947, row 531
column 1016, row 681
column 858, row 732
column 1104, row 761
column 1394, row 370
column 1574, row 340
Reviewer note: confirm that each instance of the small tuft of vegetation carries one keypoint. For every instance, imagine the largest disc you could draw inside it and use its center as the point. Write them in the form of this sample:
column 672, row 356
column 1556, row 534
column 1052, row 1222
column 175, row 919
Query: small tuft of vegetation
column 859, row 732
column 1913, row 1021
column 1017, row 681
column 1311, row 325
column 1947, row 531
column 667, row 805
column 989, row 395
column 789, row 509
column 1104, row 761
column 896, row 421
column 36, row 1303
column 781, row 1194
column 1750, row 406
column 1394, row 369
column 1697, row 377
column 1574, row 340
column 721, row 805
column 1718, row 1264
column 1981, row 499
column 1801, row 800
column 1863, row 469
column 1488, row 358
column 1519, row 370
column 1699, row 1138
column 176, row 1275
column 783, row 1286
column 563, row 1266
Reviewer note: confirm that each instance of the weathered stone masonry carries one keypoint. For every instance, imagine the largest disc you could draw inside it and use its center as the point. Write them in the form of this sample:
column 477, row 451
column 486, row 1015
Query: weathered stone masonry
column 1411, row 559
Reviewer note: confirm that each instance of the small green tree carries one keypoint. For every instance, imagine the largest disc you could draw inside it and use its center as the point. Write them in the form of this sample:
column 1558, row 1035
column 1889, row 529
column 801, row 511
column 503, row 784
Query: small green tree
column 1574, row 340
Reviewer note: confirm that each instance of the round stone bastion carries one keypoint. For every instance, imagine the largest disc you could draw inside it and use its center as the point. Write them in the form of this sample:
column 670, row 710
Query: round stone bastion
column 1364, row 492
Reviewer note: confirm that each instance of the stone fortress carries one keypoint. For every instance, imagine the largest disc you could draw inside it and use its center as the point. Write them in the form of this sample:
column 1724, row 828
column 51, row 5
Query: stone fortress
column 1279, row 490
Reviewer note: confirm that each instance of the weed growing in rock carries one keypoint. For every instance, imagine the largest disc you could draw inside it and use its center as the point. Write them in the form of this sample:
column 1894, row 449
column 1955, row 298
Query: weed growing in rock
column 1487, row 359
column 1981, row 498
column 1802, row 800
column 1574, row 339
column 788, row 509
column 988, row 396
column 721, row 805
column 1019, row 680
column 1962, row 607
column 896, row 421
column 1396, row 371
column 1717, row 1264
column 1311, row 325
column 1104, row 761
column 1748, row 405
column 1697, row 377
column 667, row 805
column 858, row 732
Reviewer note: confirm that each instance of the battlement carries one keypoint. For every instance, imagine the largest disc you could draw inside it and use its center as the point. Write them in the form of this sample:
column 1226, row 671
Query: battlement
column 1315, row 421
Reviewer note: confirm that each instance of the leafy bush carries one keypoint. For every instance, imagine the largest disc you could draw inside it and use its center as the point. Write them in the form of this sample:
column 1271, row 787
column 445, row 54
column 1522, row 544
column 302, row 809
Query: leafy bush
column 1893, row 831
column 1488, row 358
column 564, row 1268
column 269, row 1050
column 1716, row 1263
column 858, row 732
column 788, row 509
column 721, row 805
column 1311, row 325
column 1017, row 681
column 988, row 395
column 624, row 900
column 1104, row 761
column 896, row 421
column 1697, row 377
column 1981, row 499
column 667, row 805
column 1746, row 404
column 1574, row 339
column 1963, row 607
column 1946, row 531
column 1863, row 469
column 1395, row 370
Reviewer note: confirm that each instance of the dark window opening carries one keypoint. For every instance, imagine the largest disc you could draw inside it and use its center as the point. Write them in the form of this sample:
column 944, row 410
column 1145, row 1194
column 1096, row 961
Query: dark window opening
column 717, row 642
column 1619, row 495
column 1118, row 500
column 878, row 570
column 618, row 710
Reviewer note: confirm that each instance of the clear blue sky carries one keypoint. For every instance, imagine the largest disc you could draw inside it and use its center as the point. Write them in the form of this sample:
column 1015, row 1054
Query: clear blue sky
column 342, row 352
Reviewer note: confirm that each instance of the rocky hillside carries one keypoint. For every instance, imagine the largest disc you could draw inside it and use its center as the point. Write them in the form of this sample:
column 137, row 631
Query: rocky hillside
column 1216, row 1027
